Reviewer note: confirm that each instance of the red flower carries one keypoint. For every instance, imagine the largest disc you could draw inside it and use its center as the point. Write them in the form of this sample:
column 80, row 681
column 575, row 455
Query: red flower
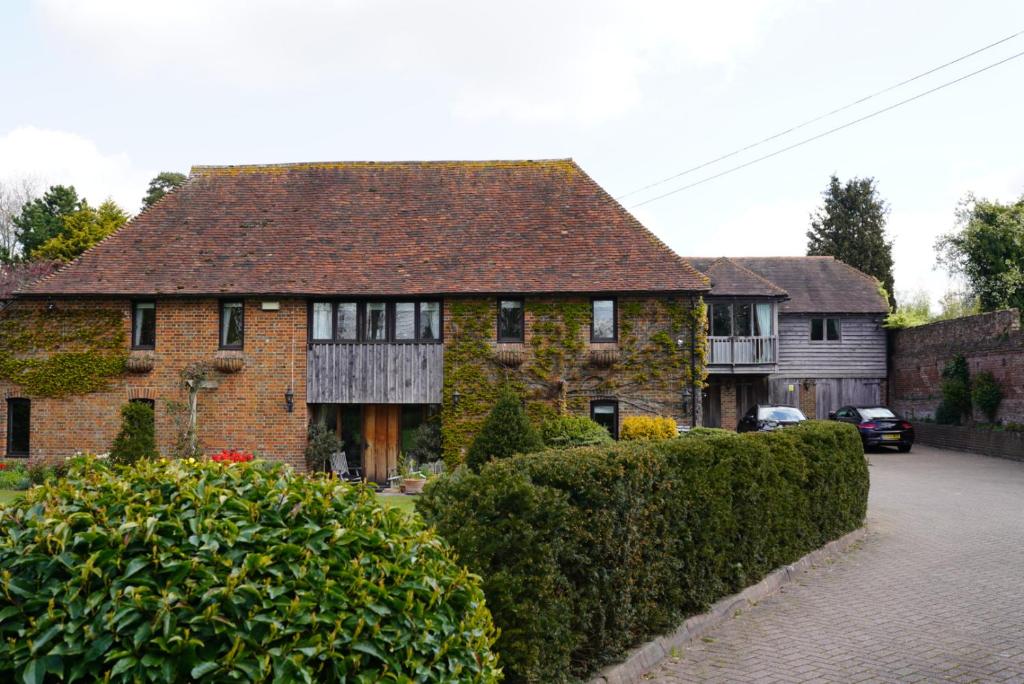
column 232, row 456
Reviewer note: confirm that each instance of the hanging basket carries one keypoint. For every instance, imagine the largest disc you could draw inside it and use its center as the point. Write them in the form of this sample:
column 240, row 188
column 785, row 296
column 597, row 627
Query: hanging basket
column 139, row 363
column 512, row 358
column 229, row 362
column 604, row 358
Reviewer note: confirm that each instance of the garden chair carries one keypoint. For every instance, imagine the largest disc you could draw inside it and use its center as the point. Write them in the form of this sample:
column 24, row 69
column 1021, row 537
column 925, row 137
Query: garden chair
column 340, row 467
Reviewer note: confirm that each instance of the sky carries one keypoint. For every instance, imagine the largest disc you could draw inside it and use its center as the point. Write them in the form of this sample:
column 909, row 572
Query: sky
column 104, row 94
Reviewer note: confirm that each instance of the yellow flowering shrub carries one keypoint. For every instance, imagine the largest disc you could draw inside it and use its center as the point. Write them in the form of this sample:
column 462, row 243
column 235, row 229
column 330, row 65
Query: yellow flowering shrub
column 648, row 427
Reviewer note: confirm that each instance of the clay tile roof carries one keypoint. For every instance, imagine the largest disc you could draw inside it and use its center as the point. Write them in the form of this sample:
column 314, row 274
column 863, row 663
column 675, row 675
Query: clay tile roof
column 730, row 279
column 380, row 228
column 819, row 284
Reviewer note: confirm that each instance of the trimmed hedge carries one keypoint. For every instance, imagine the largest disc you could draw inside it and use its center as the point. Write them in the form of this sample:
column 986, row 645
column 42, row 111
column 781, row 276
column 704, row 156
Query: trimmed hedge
column 572, row 431
column 648, row 427
column 586, row 552
column 170, row 572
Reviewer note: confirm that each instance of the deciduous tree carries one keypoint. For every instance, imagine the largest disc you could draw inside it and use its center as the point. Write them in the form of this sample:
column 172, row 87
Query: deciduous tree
column 987, row 249
column 850, row 226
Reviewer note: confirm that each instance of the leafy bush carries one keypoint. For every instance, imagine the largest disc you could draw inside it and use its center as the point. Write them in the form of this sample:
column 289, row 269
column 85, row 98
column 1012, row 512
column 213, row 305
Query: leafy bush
column 987, row 395
column 956, row 392
column 586, row 552
column 14, row 476
column 573, row 431
column 426, row 441
column 136, row 439
column 170, row 572
column 506, row 431
column 648, row 427
column 323, row 442
column 706, row 432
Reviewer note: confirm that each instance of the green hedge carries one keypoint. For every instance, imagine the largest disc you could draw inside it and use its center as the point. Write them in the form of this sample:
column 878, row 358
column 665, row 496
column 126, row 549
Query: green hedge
column 171, row 572
column 587, row 552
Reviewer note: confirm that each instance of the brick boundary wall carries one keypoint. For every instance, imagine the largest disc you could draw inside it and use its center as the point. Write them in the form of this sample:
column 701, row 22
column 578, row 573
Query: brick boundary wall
column 979, row 441
column 992, row 342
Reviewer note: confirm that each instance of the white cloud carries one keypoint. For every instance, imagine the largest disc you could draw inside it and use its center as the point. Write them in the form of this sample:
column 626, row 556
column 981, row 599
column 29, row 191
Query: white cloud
column 530, row 60
column 59, row 157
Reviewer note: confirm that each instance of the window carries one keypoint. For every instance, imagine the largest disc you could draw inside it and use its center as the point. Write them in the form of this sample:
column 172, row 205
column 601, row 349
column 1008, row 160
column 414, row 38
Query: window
column 823, row 329
column 764, row 320
column 743, row 320
column 143, row 325
column 19, row 415
column 323, row 321
column 721, row 320
column 606, row 413
column 511, row 326
column 429, row 317
column 375, row 327
column 232, row 325
column 348, row 323
column 602, row 320
column 405, row 321
column 408, row 321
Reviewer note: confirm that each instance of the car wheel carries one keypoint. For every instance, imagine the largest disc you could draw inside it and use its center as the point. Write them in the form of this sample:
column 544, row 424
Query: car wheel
column 904, row 448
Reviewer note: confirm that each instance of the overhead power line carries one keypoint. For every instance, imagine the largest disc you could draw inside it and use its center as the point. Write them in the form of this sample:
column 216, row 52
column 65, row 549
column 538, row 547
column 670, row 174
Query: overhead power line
column 821, row 116
column 829, row 132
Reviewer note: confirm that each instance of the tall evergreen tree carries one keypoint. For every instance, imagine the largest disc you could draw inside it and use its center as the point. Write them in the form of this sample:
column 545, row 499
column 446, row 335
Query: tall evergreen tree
column 162, row 183
column 850, row 226
column 506, row 431
column 43, row 217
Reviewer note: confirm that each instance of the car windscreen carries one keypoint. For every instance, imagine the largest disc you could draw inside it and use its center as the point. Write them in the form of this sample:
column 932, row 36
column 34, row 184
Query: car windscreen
column 878, row 412
column 779, row 413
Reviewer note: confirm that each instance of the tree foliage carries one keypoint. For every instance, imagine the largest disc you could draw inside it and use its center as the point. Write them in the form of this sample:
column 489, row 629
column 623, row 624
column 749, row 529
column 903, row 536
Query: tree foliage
column 162, row 183
column 850, row 226
column 137, row 437
column 915, row 308
column 986, row 394
column 987, row 249
column 82, row 230
column 956, row 392
column 14, row 195
column 506, row 431
column 43, row 218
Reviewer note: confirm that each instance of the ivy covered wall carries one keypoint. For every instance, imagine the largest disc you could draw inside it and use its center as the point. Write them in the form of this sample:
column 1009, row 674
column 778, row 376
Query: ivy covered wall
column 56, row 351
column 660, row 353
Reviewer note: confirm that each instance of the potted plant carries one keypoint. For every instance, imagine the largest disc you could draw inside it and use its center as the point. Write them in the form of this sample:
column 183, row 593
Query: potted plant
column 413, row 478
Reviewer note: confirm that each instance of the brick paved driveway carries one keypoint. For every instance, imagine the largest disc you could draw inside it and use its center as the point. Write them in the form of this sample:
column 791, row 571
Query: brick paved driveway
column 935, row 593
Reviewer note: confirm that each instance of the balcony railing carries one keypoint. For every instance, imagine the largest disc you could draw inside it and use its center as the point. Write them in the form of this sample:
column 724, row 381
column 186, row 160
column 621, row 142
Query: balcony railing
column 742, row 351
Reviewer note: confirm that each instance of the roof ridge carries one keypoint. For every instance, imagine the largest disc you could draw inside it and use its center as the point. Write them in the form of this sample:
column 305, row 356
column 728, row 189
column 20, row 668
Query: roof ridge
column 756, row 275
column 201, row 169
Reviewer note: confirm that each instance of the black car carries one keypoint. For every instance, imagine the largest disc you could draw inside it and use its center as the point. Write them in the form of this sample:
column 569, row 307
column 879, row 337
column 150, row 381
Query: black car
column 765, row 418
column 878, row 426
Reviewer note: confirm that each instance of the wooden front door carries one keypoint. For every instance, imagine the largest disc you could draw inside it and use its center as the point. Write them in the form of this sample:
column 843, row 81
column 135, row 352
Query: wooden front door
column 382, row 434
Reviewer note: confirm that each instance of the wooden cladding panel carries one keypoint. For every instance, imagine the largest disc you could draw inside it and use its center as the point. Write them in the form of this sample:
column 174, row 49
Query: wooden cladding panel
column 374, row 373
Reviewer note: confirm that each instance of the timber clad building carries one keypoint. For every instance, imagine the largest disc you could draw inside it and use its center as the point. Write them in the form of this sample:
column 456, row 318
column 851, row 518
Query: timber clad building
column 367, row 295
column 801, row 331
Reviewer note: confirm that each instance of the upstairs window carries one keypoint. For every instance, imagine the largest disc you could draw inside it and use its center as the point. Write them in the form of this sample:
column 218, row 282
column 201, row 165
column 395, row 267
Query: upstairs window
column 19, row 418
column 602, row 320
column 232, row 325
column 379, row 321
column 825, row 330
column 511, row 321
column 721, row 320
column 143, row 325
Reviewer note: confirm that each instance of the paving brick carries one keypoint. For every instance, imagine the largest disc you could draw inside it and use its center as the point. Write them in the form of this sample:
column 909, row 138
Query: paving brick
column 932, row 594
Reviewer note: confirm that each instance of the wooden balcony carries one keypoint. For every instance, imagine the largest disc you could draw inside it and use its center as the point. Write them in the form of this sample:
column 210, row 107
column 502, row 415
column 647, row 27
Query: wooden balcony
column 743, row 354
column 374, row 373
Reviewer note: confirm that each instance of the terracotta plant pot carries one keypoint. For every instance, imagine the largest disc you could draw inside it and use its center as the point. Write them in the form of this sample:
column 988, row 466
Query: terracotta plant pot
column 414, row 485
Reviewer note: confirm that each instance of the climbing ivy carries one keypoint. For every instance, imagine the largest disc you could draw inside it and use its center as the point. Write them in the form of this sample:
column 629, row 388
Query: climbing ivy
column 62, row 352
column 556, row 376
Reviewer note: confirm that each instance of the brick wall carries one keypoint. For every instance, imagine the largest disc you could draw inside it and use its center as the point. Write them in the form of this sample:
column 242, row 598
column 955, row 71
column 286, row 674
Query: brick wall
column 245, row 409
column 990, row 342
